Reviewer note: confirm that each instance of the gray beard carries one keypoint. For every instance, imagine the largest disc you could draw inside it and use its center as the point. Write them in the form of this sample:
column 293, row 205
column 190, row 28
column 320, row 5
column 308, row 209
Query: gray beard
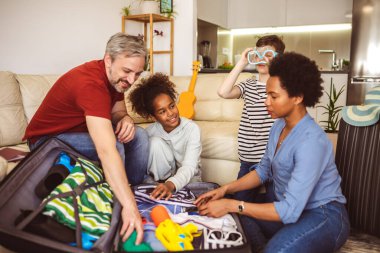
column 115, row 83
column 118, row 88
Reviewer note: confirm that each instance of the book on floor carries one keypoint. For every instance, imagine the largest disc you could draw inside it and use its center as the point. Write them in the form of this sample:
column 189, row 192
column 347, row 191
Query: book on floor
column 12, row 155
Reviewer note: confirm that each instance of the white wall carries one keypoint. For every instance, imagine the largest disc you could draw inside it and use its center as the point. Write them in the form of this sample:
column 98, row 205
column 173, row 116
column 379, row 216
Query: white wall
column 185, row 41
column 53, row 36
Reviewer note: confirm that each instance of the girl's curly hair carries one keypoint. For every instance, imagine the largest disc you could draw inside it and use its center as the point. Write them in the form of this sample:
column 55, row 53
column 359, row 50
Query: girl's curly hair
column 299, row 76
column 144, row 93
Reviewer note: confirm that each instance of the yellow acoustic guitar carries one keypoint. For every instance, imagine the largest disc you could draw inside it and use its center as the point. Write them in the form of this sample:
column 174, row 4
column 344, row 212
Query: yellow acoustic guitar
column 187, row 99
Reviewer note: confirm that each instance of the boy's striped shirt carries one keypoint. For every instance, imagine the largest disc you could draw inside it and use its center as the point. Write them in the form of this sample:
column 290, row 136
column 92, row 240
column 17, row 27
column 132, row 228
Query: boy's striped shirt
column 255, row 121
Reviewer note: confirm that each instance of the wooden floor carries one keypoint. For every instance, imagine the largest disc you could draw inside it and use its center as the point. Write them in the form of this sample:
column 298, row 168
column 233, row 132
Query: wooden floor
column 361, row 243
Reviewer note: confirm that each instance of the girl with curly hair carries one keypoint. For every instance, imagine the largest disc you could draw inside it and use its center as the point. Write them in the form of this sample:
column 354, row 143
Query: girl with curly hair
column 175, row 142
column 303, row 210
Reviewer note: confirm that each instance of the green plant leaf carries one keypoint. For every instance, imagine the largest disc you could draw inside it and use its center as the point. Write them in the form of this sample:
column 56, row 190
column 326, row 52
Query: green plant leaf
column 331, row 109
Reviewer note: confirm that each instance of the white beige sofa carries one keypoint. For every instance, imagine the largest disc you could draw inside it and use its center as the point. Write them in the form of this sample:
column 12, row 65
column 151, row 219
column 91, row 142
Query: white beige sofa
column 20, row 96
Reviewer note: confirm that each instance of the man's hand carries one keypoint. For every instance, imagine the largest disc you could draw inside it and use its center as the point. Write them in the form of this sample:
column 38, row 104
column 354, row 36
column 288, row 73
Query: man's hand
column 125, row 129
column 131, row 221
column 114, row 172
column 163, row 191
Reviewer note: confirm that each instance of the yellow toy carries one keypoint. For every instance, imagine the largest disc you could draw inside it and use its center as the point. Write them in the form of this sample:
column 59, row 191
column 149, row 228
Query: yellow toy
column 171, row 235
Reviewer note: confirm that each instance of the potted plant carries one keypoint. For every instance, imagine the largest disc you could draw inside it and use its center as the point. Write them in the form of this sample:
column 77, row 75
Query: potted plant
column 147, row 6
column 332, row 110
column 150, row 6
column 125, row 11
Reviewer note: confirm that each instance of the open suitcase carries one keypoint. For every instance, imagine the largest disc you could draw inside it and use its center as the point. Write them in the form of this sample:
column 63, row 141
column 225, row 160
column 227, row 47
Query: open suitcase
column 17, row 193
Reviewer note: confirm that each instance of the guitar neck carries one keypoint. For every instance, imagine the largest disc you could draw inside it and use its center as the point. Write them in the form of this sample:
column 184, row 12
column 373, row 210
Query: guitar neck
column 194, row 77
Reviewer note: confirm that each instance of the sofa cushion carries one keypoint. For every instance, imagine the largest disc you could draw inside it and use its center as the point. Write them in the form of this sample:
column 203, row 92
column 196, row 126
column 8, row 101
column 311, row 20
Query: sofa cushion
column 228, row 110
column 219, row 171
column 136, row 118
column 13, row 121
column 219, row 140
column 34, row 89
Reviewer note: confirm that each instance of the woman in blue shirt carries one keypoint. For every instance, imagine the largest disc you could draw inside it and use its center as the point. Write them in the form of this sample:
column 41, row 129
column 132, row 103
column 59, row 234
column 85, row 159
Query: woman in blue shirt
column 304, row 210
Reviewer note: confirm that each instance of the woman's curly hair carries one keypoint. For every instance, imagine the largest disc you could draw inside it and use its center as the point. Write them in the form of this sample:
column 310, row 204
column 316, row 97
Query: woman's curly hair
column 144, row 93
column 299, row 76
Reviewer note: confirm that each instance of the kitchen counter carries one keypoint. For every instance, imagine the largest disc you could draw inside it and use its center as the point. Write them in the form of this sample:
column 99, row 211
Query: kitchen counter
column 254, row 71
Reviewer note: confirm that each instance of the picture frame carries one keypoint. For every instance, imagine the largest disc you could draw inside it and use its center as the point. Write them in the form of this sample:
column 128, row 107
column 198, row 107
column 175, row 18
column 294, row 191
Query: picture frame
column 166, row 6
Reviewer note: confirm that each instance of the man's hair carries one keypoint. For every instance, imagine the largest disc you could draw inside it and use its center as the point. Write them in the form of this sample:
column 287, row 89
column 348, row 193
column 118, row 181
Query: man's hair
column 127, row 45
column 272, row 40
column 299, row 76
column 143, row 95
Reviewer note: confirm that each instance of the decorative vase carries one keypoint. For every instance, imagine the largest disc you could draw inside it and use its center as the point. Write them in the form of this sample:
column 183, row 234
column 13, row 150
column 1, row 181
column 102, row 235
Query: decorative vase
column 333, row 137
column 135, row 10
column 150, row 7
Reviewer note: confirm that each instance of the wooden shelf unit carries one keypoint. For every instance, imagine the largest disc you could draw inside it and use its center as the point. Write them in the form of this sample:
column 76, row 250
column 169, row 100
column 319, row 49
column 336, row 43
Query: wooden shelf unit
column 150, row 19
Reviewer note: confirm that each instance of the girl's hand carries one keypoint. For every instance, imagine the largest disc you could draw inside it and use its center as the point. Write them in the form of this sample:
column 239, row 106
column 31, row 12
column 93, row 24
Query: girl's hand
column 163, row 191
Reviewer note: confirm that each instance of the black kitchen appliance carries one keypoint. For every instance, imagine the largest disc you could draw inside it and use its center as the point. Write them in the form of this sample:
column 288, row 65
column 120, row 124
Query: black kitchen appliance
column 205, row 48
column 358, row 148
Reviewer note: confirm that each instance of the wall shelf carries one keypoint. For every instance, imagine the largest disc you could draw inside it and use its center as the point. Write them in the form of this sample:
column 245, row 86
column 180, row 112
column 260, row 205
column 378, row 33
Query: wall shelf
column 151, row 19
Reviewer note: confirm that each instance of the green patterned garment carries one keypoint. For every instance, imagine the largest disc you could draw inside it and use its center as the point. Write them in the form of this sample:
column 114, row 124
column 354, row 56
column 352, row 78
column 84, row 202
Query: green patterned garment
column 95, row 203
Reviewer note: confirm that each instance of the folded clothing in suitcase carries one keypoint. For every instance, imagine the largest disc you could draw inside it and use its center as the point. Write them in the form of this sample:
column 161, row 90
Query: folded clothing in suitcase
column 18, row 193
column 222, row 234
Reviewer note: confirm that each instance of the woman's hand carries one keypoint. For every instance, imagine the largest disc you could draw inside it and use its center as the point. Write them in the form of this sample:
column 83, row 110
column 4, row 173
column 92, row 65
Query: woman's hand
column 216, row 208
column 211, row 195
column 131, row 221
column 163, row 191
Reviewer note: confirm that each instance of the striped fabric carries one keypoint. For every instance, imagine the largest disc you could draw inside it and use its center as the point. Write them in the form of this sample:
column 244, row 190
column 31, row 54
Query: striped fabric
column 183, row 197
column 179, row 202
column 367, row 114
column 95, row 203
column 255, row 121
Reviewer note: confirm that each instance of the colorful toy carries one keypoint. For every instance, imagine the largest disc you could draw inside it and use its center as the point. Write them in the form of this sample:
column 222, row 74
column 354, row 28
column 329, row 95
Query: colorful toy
column 171, row 235
column 87, row 241
column 255, row 57
column 65, row 160
column 130, row 246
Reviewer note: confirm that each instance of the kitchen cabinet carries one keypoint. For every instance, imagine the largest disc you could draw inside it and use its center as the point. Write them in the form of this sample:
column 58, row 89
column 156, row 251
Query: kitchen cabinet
column 213, row 11
column 255, row 13
column 301, row 12
column 274, row 13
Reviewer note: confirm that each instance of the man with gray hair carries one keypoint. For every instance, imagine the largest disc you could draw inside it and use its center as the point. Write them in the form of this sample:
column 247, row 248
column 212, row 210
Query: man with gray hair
column 85, row 108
